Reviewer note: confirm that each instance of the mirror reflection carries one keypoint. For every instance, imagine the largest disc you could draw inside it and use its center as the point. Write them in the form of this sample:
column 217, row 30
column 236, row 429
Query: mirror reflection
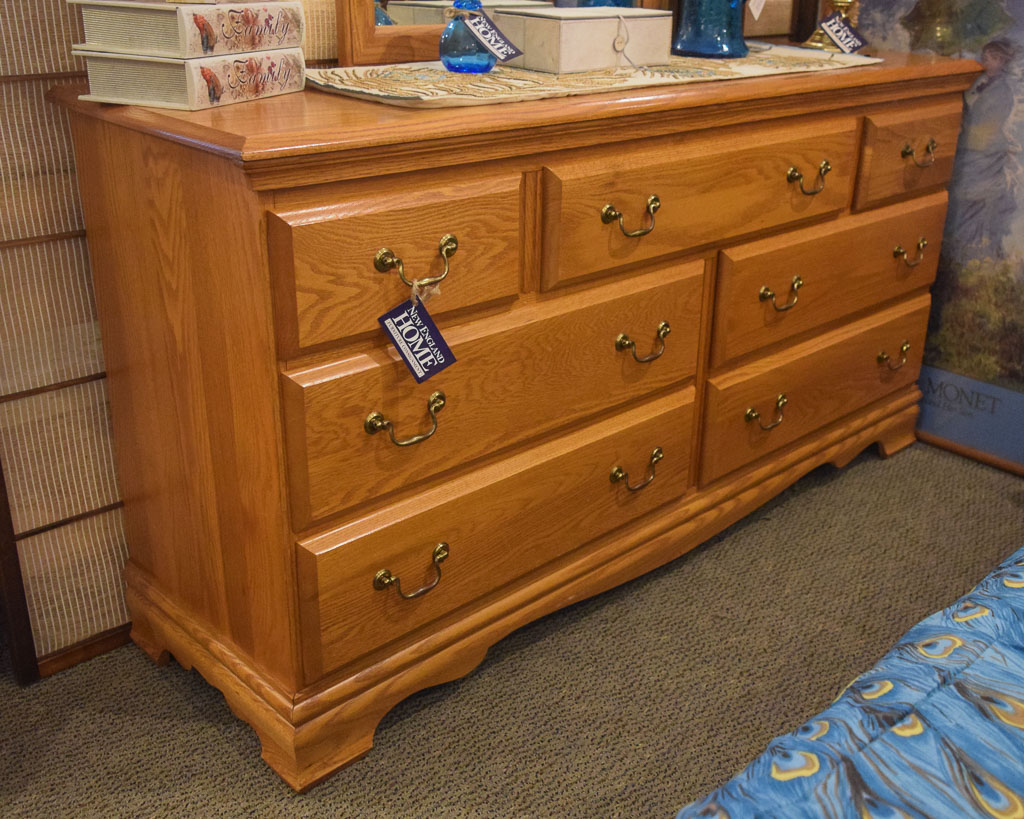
column 431, row 12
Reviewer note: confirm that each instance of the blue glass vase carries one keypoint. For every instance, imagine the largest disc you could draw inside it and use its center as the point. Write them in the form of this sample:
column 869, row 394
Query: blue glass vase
column 460, row 50
column 710, row 28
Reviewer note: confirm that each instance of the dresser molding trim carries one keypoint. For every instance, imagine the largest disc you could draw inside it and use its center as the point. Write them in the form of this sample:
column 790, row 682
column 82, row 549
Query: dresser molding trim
column 326, row 727
column 284, row 140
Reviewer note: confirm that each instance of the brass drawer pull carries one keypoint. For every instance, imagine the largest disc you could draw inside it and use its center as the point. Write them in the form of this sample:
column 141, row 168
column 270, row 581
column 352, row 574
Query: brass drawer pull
column 929, row 150
column 618, row 474
column 624, row 342
column 609, row 213
column 385, row 260
column 883, row 357
column 753, row 415
column 793, row 175
column 375, row 422
column 766, row 293
column 384, row 578
column 900, row 251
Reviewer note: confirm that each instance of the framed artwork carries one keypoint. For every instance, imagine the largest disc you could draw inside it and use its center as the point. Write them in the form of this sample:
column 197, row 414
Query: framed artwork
column 973, row 378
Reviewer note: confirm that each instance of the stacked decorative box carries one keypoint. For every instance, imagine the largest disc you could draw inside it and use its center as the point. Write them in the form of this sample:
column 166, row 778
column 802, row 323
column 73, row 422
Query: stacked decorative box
column 191, row 56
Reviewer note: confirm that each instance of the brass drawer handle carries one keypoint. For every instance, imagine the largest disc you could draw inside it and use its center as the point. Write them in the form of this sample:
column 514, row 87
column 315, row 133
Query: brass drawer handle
column 624, row 342
column 883, row 357
column 385, row 260
column 384, row 578
column 929, row 150
column 766, row 293
column 375, row 422
column 618, row 474
column 753, row 415
column 900, row 251
column 793, row 175
column 609, row 214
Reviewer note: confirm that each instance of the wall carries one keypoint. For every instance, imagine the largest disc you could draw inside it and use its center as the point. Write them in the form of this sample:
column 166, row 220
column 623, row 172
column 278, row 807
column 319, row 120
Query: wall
column 55, row 443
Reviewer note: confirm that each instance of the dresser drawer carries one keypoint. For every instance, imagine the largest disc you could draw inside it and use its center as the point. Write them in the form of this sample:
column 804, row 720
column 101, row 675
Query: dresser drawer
column 708, row 189
column 327, row 287
column 889, row 170
column 500, row 523
column 822, row 379
column 843, row 267
column 525, row 373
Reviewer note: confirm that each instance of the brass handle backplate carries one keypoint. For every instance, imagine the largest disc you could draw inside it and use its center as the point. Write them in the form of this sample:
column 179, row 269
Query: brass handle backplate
column 385, row 260
column 375, row 422
column 884, row 358
column 609, row 214
column 384, row 578
column 899, row 250
column 753, row 415
column 620, row 475
column 929, row 151
column 624, row 342
column 766, row 293
column 793, row 175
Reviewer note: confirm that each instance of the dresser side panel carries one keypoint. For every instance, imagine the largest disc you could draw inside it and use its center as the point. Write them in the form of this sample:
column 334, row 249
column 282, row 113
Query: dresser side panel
column 182, row 294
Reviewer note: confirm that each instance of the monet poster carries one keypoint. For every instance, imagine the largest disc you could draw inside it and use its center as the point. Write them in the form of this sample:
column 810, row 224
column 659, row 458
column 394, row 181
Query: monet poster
column 973, row 378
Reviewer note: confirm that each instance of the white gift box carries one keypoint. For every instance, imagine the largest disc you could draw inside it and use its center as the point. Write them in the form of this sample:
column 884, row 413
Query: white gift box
column 569, row 40
column 431, row 12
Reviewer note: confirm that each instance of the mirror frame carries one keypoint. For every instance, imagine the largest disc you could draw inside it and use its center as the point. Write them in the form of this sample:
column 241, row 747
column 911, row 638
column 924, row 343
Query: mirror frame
column 360, row 42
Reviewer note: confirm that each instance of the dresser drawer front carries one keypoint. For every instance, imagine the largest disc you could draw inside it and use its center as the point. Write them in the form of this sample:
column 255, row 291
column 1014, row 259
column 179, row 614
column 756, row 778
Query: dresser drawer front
column 322, row 258
column 844, row 267
column 500, row 523
column 516, row 376
column 709, row 189
column 823, row 380
column 886, row 173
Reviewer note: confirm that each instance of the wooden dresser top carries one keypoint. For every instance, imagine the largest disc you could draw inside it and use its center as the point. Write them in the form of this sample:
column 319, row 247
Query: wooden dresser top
column 293, row 129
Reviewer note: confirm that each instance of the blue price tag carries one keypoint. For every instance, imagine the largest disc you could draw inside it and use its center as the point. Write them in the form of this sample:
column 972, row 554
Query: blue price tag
column 844, row 35
column 418, row 341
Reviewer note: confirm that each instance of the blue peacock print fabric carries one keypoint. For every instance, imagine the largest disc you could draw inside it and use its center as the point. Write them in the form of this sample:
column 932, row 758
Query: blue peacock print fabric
column 935, row 729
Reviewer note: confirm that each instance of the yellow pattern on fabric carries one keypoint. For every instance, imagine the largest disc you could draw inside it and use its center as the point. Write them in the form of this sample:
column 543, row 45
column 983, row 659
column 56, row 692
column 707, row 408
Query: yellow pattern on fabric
column 951, row 644
column 810, row 767
column 877, row 690
column 1015, row 808
column 909, row 727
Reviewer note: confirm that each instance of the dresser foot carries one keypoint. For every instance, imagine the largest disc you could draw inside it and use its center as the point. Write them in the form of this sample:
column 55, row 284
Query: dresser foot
column 900, row 435
column 144, row 638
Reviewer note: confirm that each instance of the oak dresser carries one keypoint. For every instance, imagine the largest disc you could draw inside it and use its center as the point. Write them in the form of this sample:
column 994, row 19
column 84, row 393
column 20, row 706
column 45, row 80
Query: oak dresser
column 666, row 306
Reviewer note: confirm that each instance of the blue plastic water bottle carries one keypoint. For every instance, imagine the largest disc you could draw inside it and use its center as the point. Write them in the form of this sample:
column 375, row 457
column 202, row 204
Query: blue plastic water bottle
column 460, row 50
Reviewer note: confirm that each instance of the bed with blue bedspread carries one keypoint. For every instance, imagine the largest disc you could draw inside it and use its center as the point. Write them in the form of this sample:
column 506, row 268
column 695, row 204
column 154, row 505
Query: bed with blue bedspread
column 935, row 729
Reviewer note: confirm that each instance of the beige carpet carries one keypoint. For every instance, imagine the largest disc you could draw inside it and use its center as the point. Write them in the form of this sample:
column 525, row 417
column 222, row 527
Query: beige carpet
column 629, row 704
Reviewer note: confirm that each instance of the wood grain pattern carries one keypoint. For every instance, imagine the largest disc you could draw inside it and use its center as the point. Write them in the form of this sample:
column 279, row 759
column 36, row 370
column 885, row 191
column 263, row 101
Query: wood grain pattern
column 194, row 407
column 501, row 523
column 511, row 382
column 326, row 286
column 217, row 402
column 710, row 189
column 885, row 173
column 313, row 124
column 846, row 266
column 824, row 379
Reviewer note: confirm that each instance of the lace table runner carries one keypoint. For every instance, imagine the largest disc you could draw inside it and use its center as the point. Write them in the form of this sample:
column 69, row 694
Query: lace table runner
column 429, row 85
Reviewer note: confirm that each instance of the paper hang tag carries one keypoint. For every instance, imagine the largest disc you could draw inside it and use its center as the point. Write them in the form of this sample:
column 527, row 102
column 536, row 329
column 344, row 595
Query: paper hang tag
column 490, row 36
column 844, row 35
column 412, row 331
column 756, row 7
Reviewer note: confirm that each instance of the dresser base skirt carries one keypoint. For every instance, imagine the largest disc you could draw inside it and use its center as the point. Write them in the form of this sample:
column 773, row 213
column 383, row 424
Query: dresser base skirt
column 309, row 734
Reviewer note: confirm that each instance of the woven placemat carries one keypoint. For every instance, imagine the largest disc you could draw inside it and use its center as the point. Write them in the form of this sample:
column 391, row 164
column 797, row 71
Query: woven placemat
column 429, row 85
